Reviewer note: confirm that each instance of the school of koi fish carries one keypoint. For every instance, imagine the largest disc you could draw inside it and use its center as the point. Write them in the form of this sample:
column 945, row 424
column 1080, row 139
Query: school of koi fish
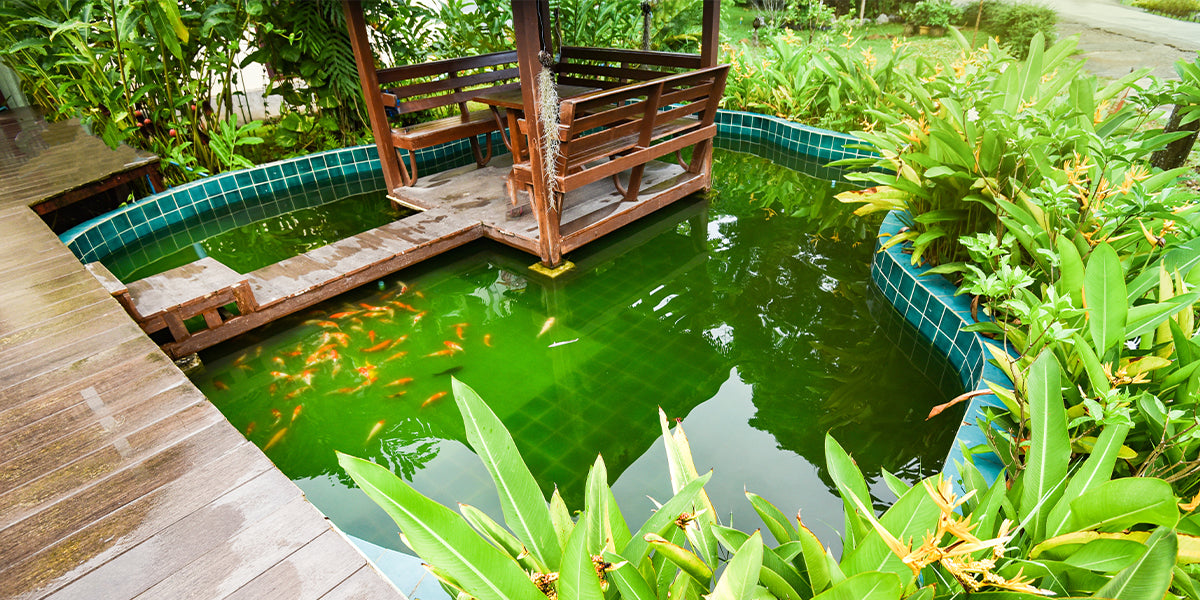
column 343, row 347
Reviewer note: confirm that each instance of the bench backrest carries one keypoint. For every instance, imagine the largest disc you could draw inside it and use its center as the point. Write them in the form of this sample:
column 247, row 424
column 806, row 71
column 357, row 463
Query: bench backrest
column 639, row 113
column 447, row 82
column 613, row 67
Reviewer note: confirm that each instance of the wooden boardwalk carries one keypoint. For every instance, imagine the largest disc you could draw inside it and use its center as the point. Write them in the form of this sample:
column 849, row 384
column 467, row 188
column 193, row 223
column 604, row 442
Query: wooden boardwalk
column 118, row 479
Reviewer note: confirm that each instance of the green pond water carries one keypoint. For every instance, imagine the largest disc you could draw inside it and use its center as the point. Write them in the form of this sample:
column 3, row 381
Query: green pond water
column 252, row 238
column 748, row 315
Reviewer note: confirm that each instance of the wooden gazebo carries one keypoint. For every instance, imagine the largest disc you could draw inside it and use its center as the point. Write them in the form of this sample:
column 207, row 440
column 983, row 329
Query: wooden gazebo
column 586, row 129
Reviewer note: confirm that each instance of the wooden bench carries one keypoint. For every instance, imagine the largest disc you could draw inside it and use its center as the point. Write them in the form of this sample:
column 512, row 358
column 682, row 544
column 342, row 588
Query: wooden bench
column 446, row 83
column 604, row 133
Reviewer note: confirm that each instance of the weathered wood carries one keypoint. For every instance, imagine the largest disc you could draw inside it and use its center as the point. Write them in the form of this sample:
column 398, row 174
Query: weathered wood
column 528, row 33
column 309, row 572
column 710, row 36
column 364, row 584
column 441, row 67
column 621, row 55
column 364, row 59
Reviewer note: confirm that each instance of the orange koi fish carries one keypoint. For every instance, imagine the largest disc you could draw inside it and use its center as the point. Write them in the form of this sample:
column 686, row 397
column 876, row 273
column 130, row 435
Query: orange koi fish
column 401, row 381
column 419, row 294
column 373, row 314
column 400, row 340
column 337, row 366
column 369, row 307
column 546, row 326
column 487, row 340
column 275, row 413
column 433, row 398
column 401, row 305
column 453, row 346
column 306, row 376
column 349, row 390
column 374, row 430
column 250, row 428
column 398, row 394
column 343, row 315
column 377, row 347
column 273, row 388
column 371, row 335
column 417, row 317
column 280, row 375
column 275, row 439
column 239, row 363
column 220, row 385
column 458, row 330
column 296, row 412
column 278, row 361
column 446, row 352
column 399, row 354
column 340, row 338
column 327, row 324
column 296, row 392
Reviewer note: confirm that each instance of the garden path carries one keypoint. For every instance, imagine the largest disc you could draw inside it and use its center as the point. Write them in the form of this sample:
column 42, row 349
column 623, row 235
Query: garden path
column 1115, row 39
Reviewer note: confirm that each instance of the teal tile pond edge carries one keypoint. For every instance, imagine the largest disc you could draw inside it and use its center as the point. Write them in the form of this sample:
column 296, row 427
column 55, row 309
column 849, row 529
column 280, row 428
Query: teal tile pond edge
column 929, row 304
column 250, row 194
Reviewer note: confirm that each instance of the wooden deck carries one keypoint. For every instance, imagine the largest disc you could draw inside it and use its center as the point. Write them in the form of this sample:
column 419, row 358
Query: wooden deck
column 118, row 479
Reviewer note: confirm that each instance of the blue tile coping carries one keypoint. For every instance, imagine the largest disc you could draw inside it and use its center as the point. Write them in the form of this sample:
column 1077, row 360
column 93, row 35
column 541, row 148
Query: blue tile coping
column 929, row 304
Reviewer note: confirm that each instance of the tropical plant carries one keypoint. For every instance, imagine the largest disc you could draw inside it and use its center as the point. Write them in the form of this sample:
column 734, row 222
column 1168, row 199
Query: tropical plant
column 820, row 83
column 1016, row 22
column 1069, row 533
column 933, row 13
column 1184, row 96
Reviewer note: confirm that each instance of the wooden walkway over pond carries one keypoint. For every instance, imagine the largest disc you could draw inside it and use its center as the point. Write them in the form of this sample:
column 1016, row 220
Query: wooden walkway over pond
column 118, row 479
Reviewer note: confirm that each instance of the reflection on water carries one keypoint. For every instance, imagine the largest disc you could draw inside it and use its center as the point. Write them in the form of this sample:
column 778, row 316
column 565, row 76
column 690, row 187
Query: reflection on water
column 747, row 315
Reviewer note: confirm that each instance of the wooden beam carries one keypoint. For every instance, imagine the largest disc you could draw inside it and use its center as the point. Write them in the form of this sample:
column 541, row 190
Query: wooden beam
column 710, row 39
column 368, row 77
column 528, row 33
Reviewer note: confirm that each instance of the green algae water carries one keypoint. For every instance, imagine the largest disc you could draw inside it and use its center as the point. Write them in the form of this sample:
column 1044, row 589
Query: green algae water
column 254, row 238
column 748, row 316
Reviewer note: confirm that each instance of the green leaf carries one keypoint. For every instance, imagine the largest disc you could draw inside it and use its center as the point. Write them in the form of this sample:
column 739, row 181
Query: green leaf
column 778, row 586
column 683, row 471
column 741, row 574
column 1096, row 469
column 1070, row 279
column 500, row 537
column 628, row 580
column 1121, row 503
column 815, row 561
column 664, row 517
column 1150, row 576
column 440, row 536
column 778, row 524
column 682, row 557
column 1106, row 556
column 1104, row 291
column 912, row 516
column 1049, row 446
column 850, row 483
column 560, row 516
column 578, row 576
column 865, row 586
column 524, row 506
column 1145, row 317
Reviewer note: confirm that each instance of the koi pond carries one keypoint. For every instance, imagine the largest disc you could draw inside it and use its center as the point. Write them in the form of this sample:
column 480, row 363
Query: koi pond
column 748, row 315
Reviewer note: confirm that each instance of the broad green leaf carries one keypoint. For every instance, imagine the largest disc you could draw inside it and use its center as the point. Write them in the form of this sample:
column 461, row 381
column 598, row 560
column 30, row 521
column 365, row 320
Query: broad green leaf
column 1150, row 576
column 1070, row 279
column 1106, row 556
column 440, row 536
column 1091, row 364
column 1121, row 503
column 778, row 560
column 682, row 557
column 664, row 517
column 741, row 574
column 683, row 471
column 1096, row 469
column 500, row 537
column 865, row 586
column 1144, row 318
column 1049, row 446
column 577, row 579
column 1104, row 292
column 779, row 525
column 895, row 484
column 814, row 559
column 850, row 483
column 778, row 586
column 560, row 516
column 525, row 509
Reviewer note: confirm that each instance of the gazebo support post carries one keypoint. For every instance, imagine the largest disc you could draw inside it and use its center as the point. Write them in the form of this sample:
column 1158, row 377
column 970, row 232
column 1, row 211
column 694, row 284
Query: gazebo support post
column 530, row 39
column 367, row 76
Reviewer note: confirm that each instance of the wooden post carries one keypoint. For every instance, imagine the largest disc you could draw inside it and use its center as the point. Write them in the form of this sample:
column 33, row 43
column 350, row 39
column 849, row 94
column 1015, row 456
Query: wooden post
column 529, row 35
column 710, row 38
column 367, row 75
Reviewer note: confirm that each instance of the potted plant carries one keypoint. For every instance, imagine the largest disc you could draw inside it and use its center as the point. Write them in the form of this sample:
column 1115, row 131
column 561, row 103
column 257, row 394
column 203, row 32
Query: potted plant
column 933, row 16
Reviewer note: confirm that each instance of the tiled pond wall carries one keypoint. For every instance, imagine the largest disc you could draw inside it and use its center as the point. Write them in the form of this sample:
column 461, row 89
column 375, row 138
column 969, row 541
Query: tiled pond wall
column 926, row 302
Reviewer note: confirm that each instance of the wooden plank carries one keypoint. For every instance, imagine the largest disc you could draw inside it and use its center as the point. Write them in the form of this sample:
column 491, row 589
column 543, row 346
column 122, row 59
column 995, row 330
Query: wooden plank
column 98, row 450
column 223, row 570
column 438, row 67
column 365, row 584
column 646, row 57
column 393, row 170
column 635, row 211
column 51, row 523
column 146, row 540
column 38, row 354
column 180, row 285
column 78, row 408
column 310, row 572
column 710, row 33
column 448, row 85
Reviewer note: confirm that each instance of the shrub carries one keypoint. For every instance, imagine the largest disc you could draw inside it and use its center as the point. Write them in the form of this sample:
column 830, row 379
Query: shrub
column 1017, row 22
column 1184, row 9
column 933, row 13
